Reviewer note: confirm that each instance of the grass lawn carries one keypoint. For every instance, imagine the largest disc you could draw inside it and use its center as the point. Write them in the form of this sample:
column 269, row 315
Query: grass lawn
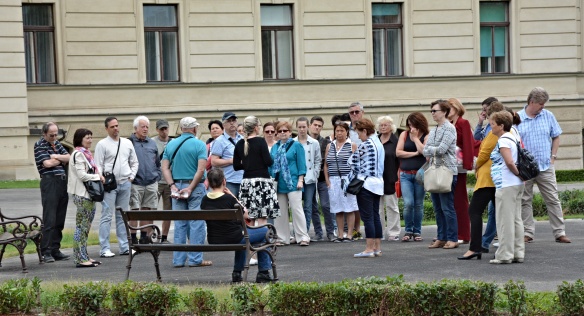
column 21, row 184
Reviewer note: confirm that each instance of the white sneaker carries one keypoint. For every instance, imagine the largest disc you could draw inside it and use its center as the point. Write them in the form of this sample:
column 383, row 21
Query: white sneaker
column 253, row 262
column 393, row 238
column 107, row 254
column 496, row 245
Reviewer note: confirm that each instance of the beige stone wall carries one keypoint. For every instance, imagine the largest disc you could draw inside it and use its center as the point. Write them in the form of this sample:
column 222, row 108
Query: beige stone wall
column 14, row 161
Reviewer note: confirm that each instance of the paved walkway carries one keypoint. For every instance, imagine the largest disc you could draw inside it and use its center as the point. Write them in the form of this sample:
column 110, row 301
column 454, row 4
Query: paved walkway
column 547, row 263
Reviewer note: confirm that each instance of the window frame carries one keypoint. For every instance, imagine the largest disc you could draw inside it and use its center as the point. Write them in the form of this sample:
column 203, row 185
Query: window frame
column 35, row 29
column 276, row 29
column 385, row 27
column 492, row 26
column 160, row 30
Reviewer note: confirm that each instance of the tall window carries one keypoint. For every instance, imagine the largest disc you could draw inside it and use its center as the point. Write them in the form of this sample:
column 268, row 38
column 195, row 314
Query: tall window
column 494, row 37
column 277, row 48
column 39, row 44
column 387, row 40
column 161, row 43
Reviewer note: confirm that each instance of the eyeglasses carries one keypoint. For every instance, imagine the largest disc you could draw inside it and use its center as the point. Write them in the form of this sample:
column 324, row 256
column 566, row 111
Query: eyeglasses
column 52, row 135
column 355, row 112
column 434, row 111
column 282, row 131
column 269, row 132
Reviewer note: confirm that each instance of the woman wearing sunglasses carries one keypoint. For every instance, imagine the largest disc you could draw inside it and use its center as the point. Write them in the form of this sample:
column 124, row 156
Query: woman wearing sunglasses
column 289, row 169
column 270, row 134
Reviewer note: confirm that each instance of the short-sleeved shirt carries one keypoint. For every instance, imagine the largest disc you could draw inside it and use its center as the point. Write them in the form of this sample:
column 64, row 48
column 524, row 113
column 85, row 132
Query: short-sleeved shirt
column 500, row 173
column 43, row 151
column 221, row 232
column 223, row 148
column 537, row 133
column 186, row 162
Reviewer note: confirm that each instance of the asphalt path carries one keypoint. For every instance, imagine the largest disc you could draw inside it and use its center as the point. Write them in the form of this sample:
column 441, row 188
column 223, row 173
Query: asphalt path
column 546, row 265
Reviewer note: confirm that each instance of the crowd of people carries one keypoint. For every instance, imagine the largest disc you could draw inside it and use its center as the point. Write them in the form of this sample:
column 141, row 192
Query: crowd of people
column 281, row 170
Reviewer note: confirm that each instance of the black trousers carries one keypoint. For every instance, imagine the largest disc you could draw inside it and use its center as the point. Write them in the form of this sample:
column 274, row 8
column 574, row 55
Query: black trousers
column 54, row 199
column 478, row 204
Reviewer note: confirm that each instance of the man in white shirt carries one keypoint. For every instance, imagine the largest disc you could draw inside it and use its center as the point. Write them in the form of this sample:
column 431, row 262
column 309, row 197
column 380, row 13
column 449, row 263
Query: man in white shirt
column 116, row 155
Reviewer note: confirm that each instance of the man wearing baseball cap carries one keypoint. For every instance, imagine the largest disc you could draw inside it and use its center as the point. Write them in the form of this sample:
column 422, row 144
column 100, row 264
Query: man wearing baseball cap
column 163, row 190
column 222, row 152
column 183, row 168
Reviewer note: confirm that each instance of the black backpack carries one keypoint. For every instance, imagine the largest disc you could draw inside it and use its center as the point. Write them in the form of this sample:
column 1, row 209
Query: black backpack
column 526, row 163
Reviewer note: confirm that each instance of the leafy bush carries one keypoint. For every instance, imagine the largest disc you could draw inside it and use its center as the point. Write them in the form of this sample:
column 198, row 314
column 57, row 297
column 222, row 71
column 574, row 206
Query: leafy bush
column 84, row 299
column 19, row 295
column 201, row 302
column 516, row 296
column 133, row 298
column 571, row 298
column 249, row 298
column 570, row 175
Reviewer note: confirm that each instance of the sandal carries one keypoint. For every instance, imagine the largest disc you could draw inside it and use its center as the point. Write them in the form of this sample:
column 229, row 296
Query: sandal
column 408, row 237
column 418, row 237
column 204, row 263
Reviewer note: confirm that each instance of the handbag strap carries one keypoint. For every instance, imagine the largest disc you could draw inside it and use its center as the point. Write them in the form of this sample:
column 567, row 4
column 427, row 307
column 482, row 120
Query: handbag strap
column 90, row 168
column 177, row 148
column 337, row 158
column 117, row 152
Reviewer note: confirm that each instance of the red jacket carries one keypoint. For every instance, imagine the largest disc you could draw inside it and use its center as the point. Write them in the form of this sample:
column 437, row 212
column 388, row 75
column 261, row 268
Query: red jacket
column 466, row 142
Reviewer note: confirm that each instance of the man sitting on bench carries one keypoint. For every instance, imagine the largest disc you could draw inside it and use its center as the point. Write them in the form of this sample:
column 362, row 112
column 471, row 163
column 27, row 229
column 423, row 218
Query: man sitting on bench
column 230, row 232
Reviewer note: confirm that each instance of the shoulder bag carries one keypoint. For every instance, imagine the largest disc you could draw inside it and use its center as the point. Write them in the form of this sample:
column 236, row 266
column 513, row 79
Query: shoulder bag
column 94, row 187
column 526, row 163
column 110, row 179
column 356, row 184
column 437, row 179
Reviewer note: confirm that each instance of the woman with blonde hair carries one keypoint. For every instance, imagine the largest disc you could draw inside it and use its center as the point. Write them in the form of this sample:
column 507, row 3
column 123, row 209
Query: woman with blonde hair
column 466, row 149
column 257, row 193
column 388, row 209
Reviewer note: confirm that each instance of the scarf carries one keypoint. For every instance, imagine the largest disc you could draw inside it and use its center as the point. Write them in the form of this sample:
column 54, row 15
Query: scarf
column 281, row 164
column 89, row 158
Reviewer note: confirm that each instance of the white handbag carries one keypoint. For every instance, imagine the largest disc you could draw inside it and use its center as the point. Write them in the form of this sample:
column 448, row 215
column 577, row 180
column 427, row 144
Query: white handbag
column 438, row 179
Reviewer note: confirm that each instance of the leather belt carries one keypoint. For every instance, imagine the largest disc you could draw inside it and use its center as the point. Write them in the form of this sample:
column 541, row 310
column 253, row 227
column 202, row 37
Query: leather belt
column 58, row 176
column 410, row 171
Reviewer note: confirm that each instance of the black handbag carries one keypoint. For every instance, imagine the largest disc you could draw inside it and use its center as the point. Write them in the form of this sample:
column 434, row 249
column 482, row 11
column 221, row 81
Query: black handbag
column 355, row 186
column 94, row 187
column 526, row 164
column 110, row 179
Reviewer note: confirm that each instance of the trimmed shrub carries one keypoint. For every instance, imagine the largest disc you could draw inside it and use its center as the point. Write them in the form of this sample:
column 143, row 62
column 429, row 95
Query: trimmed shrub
column 249, row 298
column 134, row 298
column 570, row 175
column 201, row 302
column 19, row 295
column 84, row 299
column 571, row 298
column 516, row 296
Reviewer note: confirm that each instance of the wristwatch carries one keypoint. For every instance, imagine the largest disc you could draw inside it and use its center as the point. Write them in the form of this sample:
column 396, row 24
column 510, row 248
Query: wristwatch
column 555, row 156
column 171, row 184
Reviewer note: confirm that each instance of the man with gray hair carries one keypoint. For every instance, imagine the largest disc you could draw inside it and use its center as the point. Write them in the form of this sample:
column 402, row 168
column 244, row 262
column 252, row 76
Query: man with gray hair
column 540, row 134
column 356, row 113
column 116, row 155
column 144, row 192
column 183, row 168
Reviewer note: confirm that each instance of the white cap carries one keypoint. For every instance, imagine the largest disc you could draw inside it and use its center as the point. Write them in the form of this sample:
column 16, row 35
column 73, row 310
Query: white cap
column 188, row 122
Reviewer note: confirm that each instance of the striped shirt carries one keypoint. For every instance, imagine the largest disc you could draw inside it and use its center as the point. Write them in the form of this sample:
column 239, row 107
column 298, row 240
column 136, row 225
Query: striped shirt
column 43, row 151
column 341, row 159
column 537, row 133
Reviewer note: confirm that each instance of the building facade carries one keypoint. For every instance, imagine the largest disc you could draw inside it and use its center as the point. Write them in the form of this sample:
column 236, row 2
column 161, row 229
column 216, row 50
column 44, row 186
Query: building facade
column 77, row 61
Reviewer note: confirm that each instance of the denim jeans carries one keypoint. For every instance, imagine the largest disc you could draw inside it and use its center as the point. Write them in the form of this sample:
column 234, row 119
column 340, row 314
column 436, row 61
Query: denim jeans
column 118, row 197
column 330, row 222
column 196, row 231
column 233, row 187
column 447, row 229
column 491, row 229
column 369, row 209
column 307, row 200
column 413, row 195
column 256, row 235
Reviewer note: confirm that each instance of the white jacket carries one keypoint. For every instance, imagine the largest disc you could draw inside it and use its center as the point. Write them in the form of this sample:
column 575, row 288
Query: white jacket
column 313, row 159
column 78, row 174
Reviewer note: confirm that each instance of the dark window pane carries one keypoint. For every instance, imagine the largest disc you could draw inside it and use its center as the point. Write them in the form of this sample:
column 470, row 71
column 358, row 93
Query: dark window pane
column 37, row 15
column 284, row 54
column 379, row 52
column 267, row 56
column 152, row 56
column 159, row 16
column 394, row 52
column 170, row 56
column 386, row 13
column 46, row 59
column 29, row 56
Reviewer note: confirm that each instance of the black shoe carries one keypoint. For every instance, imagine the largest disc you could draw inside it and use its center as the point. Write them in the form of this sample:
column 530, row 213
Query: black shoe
column 236, row 277
column 134, row 240
column 59, row 256
column 264, row 277
column 478, row 255
column 48, row 258
column 144, row 241
column 485, row 250
column 92, row 265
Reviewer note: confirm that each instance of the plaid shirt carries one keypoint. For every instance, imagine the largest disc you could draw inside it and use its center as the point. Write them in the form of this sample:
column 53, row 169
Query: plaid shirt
column 537, row 133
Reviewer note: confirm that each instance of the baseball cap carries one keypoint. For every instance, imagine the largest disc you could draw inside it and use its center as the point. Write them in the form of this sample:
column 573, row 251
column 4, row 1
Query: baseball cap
column 228, row 115
column 161, row 123
column 188, row 122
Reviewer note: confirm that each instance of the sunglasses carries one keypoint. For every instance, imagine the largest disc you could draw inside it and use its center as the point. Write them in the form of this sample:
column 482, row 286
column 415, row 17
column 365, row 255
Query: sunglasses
column 52, row 135
column 354, row 112
column 282, row 131
column 269, row 132
column 434, row 111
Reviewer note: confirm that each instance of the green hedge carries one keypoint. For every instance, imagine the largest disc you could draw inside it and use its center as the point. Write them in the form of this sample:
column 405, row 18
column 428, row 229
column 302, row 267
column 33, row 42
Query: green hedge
column 561, row 176
column 363, row 296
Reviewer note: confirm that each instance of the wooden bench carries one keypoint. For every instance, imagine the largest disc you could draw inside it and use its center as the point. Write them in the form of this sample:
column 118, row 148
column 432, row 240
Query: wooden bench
column 17, row 231
column 155, row 247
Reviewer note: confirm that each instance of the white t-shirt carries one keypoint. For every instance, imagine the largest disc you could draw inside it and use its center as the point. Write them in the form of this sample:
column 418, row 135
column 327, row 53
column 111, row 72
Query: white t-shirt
column 500, row 173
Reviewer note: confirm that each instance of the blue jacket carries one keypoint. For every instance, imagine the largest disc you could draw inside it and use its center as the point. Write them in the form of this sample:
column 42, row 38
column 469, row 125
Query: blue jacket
column 148, row 161
column 296, row 164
